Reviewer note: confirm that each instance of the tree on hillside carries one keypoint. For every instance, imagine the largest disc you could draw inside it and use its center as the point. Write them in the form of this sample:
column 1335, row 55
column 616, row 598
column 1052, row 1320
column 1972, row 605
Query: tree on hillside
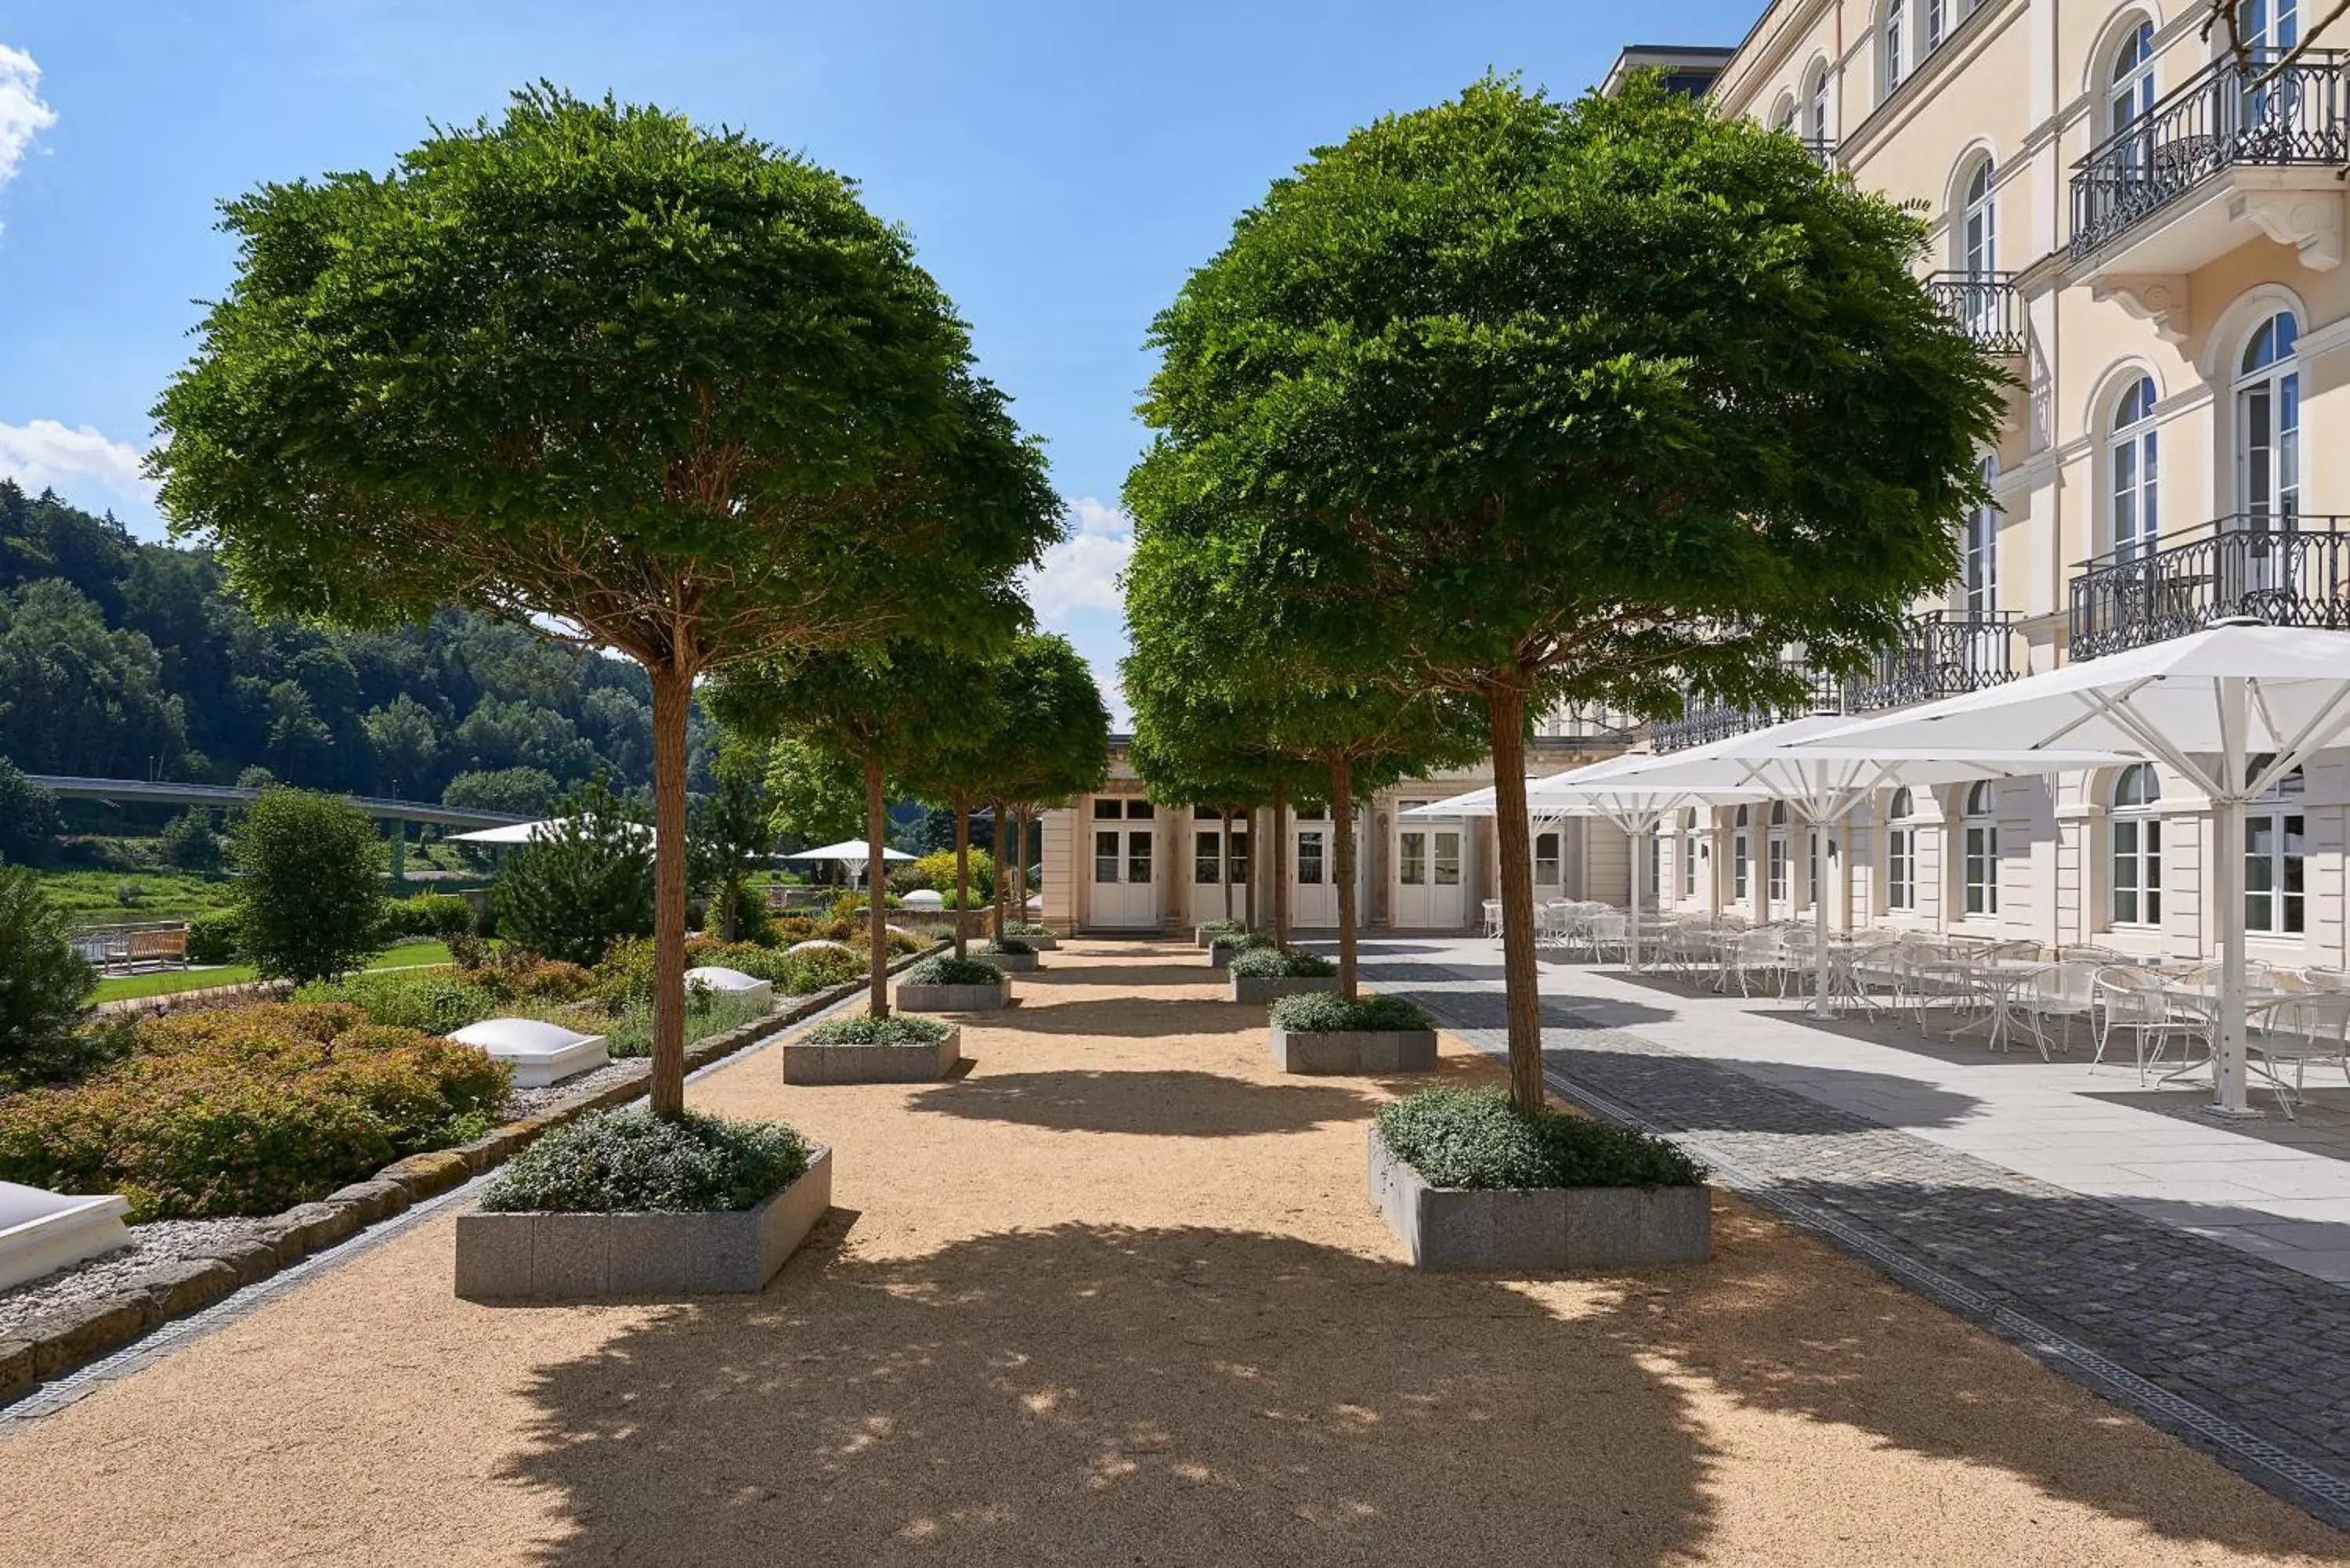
column 1055, row 745
column 1569, row 401
column 889, row 712
column 594, row 367
column 406, row 742
column 308, row 891
column 29, row 822
column 524, row 792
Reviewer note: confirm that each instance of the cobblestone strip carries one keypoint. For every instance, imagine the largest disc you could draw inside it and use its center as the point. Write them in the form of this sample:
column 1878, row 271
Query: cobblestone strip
column 2245, row 1359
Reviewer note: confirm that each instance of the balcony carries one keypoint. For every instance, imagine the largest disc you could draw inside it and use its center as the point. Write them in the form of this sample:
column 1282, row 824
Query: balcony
column 1941, row 653
column 2215, row 163
column 1986, row 307
column 2283, row 571
column 1822, row 149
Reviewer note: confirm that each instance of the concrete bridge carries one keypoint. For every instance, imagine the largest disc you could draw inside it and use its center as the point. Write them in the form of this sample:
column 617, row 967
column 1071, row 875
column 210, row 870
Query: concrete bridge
column 165, row 792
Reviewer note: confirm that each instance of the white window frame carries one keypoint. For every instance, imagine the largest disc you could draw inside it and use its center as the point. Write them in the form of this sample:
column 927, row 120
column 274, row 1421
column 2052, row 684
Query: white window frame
column 2270, row 375
column 1689, row 853
column 2134, row 848
column 1979, row 859
column 1900, row 853
column 2276, row 865
column 1977, row 591
column 1549, row 866
column 2133, row 473
column 1740, row 877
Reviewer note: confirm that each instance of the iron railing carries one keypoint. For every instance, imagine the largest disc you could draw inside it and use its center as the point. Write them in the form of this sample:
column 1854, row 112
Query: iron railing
column 1941, row 653
column 1823, row 149
column 2218, row 119
column 2281, row 570
column 1986, row 307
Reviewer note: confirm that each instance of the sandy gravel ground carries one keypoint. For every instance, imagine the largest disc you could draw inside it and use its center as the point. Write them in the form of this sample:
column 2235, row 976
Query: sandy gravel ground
column 1117, row 1297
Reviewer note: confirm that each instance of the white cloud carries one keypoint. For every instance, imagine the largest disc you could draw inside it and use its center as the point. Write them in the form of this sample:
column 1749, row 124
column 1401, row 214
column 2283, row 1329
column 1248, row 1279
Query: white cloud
column 1080, row 573
column 80, row 465
column 23, row 115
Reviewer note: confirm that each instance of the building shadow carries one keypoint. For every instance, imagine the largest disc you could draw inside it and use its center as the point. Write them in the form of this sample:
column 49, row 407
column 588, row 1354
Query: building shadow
column 1096, row 1395
column 1488, row 1009
column 1134, row 1017
column 1169, row 1103
column 1724, row 1098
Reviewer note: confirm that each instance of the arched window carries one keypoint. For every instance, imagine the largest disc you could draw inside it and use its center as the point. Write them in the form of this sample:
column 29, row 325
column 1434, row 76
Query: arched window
column 2274, row 884
column 1980, row 860
column 1900, row 853
column 2129, row 86
column 1977, row 585
column 1889, row 48
column 1933, row 21
column 1689, row 853
column 1976, row 234
column 1739, row 855
column 2132, row 516
column 1775, row 883
column 1816, row 106
column 2137, row 838
column 1784, row 117
column 2268, row 424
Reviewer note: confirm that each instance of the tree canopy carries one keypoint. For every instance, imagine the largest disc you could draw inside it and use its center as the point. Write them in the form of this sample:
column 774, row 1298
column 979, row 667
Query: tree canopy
column 594, row 367
column 1547, row 402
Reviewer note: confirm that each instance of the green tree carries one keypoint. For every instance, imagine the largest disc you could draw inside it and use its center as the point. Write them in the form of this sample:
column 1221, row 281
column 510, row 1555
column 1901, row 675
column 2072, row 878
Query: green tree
column 813, row 796
column 1568, row 401
column 407, row 746
column 189, row 842
column 887, row 713
column 732, row 830
column 29, row 823
column 1055, row 745
column 524, row 792
column 594, row 367
column 43, row 985
column 308, row 891
column 587, row 884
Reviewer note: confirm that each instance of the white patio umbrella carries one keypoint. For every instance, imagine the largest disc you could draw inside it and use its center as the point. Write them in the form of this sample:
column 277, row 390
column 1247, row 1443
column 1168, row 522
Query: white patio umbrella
column 2235, row 708
column 1632, row 805
column 525, row 832
column 1796, row 762
column 851, row 852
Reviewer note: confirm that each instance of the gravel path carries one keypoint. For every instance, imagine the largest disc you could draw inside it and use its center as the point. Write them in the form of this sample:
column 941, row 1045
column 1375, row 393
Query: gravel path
column 1118, row 1296
column 162, row 1241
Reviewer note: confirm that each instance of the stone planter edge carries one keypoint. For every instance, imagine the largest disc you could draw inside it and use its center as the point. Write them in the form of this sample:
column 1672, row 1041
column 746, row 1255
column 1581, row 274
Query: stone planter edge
column 1447, row 1229
column 1343, row 1051
column 821, row 1065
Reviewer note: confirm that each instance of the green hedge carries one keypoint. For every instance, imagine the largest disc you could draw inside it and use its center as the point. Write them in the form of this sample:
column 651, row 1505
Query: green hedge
column 1472, row 1137
column 212, row 938
column 1327, row 1013
column 864, row 1029
column 426, row 915
column 1262, row 963
column 626, row 1161
column 948, row 970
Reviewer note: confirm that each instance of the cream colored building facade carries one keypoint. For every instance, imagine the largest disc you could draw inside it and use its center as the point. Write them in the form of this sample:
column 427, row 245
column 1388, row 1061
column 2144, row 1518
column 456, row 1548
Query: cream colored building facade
column 2151, row 243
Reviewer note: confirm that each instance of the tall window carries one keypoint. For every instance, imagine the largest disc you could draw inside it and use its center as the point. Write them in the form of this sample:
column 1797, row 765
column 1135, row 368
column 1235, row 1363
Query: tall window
column 1738, row 855
column 1784, row 117
column 2268, row 423
column 2267, row 28
column 2136, row 834
column 2132, row 460
column 1900, row 853
column 1892, row 46
column 1933, row 17
column 1978, row 227
column 2273, row 840
column 1977, row 585
column 1207, row 857
column 1546, row 859
column 1689, row 853
column 1981, row 838
column 1656, row 858
column 1776, row 886
column 1309, row 856
column 1815, row 102
column 2129, row 92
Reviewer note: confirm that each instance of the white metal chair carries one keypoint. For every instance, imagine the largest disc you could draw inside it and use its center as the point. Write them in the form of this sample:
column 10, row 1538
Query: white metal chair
column 2310, row 1027
column 1608, row 929
column 1760, row 952
column 2131, row 999
column 1494, row 919
column 2062, row 992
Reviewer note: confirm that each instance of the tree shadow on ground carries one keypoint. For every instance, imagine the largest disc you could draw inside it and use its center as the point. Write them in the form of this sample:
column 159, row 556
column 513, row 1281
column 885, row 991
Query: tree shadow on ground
column 1132, row 1017
column 1171, row 1102
column 1172, row 970
column 1096, row 1395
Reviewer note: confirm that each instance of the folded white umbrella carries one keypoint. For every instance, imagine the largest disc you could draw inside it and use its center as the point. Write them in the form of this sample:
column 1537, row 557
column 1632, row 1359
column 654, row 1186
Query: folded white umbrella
column 2235, row 708
column 529, row 832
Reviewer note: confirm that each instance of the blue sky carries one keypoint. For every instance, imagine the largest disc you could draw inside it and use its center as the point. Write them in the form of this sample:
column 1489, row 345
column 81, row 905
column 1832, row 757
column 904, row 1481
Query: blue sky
column 1061, row 167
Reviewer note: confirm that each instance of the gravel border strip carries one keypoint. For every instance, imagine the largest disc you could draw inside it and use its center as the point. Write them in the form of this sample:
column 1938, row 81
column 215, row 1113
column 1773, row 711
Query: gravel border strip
column 48, row 1348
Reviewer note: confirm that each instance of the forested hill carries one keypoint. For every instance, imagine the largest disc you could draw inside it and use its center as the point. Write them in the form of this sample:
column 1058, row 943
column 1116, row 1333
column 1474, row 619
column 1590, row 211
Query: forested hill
column 125, row 660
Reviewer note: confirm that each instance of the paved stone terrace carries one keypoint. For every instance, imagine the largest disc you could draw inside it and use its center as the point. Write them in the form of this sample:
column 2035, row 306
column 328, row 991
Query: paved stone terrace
column 2146, row 1310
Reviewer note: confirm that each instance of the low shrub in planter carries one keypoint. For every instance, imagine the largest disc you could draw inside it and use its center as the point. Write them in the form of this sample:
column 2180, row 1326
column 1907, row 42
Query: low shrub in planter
column 212, row 939
column 1327, row 1013
column 249, row 1110
column 948, row 970
column 1223, row 928
column 1268, row 963
column 864, row 1029
column 1475, row 1138
column 1026, row 928
column 1011, row 945
column 628, row 1161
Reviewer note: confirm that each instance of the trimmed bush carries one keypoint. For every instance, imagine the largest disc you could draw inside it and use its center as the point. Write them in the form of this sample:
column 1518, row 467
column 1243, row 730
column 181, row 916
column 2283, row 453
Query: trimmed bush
column 864, row 1029
column 250, row 1110
column 1327, row 1013
column 1472, row 1137
column 426, row 915
column 307, row 899
column 628, row 1161
column 212, row 939
column 948, row 970
column 1010, row 945
column 1268, row 963
column 938, row 870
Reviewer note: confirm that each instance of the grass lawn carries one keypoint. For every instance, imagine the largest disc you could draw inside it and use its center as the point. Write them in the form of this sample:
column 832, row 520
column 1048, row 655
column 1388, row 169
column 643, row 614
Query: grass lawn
column 164, row 982
column 91, row 897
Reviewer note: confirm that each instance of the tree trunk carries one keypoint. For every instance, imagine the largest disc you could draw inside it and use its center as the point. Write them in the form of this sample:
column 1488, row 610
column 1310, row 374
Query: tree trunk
column 1019, row 824
column 1342, row 808
column 963, row 876
column 1224, row 848
column 1505, row 709
column 672, row 695
column 876, row 881
column 1281, row 864
column 1002, row 809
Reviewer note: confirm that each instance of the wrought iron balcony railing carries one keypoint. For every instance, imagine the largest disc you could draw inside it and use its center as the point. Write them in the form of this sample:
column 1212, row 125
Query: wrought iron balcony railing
column 1986, row 307
column 1823, row 149
column 1941, row 653
column 2218, row 119
column 2283, row 570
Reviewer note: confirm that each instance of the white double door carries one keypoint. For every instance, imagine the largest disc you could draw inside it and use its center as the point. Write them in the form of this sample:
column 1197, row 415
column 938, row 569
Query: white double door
column 1125, row 864
column 1314, row 871
column 1429, row 891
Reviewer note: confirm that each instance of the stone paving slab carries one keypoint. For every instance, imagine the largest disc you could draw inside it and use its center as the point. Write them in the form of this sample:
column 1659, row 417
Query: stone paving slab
column 2245, row 1358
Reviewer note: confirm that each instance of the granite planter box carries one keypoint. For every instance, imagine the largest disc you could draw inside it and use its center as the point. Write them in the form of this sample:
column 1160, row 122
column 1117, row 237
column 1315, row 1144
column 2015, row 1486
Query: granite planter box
column 1207, row 939
column 1221, row 952
column 807, row 1063
column 1042, row 944
column 1355, row 1051
column 583, row 1257
column 1263, row 988
column 1550, row 1228
column 1012, row 963
column 953, row 998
